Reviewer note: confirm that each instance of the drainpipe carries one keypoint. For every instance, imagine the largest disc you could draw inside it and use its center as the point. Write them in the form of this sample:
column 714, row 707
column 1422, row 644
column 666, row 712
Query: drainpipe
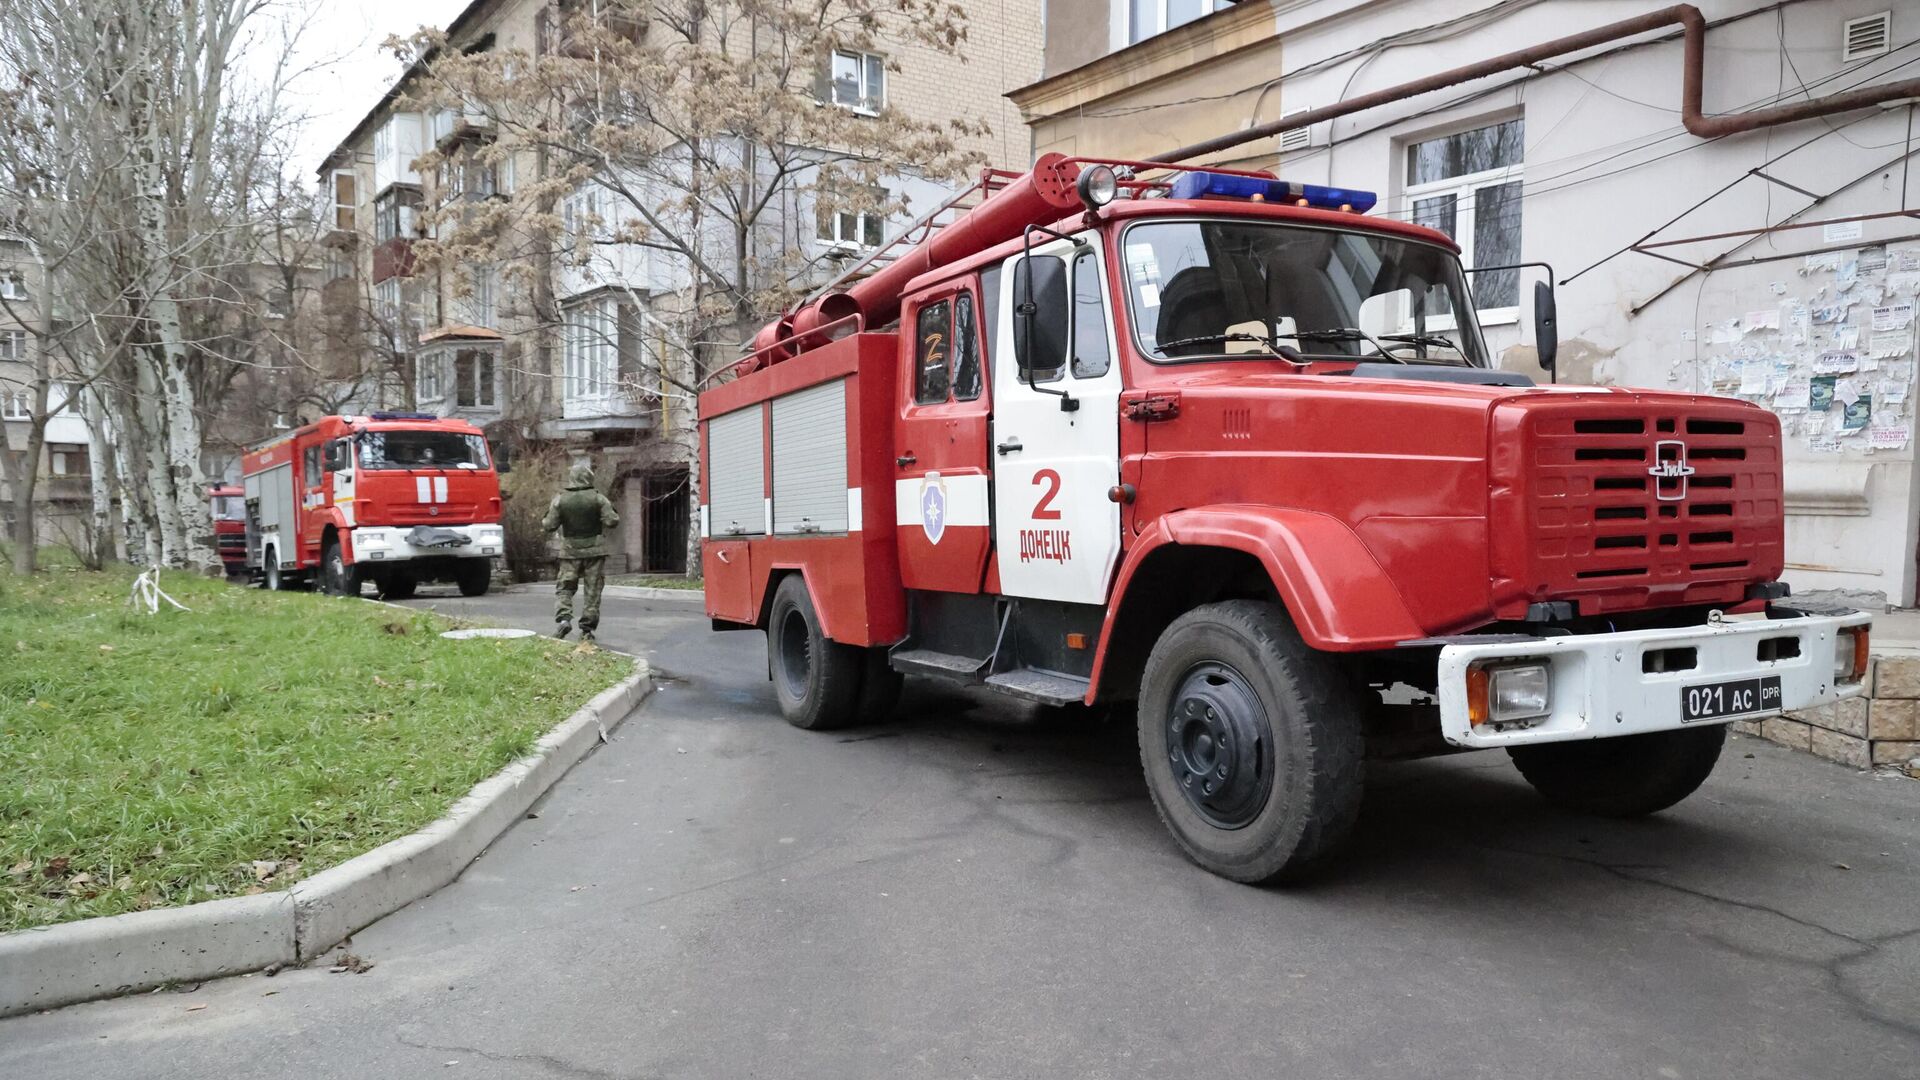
column 1692, row 76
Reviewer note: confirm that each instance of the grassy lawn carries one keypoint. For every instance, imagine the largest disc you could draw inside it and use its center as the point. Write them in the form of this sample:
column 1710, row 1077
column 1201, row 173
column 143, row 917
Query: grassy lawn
column 152, row 760
column 649, row 581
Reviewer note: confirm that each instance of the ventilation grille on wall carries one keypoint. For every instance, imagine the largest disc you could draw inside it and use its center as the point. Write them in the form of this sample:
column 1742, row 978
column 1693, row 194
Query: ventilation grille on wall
column 1869, row 35
column 1299, row 138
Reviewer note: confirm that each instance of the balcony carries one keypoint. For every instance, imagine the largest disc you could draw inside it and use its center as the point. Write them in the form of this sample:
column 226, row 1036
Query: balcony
column 392, row 258
column 67, row 488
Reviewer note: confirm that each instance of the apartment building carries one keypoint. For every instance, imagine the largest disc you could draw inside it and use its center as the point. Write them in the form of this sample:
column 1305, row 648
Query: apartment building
column 63, row 488
column 581, row 353
column 1682, row 260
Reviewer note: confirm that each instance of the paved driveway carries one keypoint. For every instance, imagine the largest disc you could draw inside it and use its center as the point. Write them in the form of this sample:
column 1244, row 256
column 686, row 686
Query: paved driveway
column 967, row 893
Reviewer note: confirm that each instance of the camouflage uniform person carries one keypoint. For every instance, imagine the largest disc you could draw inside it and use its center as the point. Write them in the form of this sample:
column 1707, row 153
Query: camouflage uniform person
column 582, row 517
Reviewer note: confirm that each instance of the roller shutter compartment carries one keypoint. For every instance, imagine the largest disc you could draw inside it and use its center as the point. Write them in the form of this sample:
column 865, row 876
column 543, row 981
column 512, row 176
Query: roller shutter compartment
column 810, row 460
column 736, row 499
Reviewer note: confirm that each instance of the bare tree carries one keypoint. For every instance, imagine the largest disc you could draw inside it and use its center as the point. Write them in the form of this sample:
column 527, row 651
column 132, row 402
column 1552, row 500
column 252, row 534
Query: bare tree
column 679, row 153
column 137, row 163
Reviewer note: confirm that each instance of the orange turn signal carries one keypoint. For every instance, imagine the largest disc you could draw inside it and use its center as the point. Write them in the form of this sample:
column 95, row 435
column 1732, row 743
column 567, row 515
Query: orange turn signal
column 1479, row 690
column 1861, row 652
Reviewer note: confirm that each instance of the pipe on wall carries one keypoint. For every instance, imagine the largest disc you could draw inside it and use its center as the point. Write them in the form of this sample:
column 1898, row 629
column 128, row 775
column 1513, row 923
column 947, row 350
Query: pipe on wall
column 1692, row 79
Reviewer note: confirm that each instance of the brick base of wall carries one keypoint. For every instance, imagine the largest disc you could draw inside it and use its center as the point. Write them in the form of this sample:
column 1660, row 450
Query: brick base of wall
column 1880, row 728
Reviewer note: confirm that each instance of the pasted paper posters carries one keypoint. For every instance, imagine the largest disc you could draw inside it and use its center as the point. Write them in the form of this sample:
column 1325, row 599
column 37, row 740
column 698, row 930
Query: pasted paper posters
column 1888, row 437
column 1858, row 412
column 1836, row 362
column 1795, row 393
column 1890, row 344
column 1840, row 232
column 1761, row 320
column 1893, row 317
column 1820, row 392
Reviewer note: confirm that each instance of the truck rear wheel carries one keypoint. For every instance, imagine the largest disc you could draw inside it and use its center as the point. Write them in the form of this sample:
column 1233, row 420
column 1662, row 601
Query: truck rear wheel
column 270, row 577
column 816, row 680
column 1250, row 741
column 474, row 576
column 1629, row 776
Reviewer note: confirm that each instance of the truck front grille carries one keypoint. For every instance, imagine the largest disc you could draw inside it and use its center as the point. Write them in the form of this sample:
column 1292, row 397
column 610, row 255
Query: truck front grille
column 1641, row 503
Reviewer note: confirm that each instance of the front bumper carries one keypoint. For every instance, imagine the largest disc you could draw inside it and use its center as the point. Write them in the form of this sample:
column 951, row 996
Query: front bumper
column 389, row 543
column 1600, row 688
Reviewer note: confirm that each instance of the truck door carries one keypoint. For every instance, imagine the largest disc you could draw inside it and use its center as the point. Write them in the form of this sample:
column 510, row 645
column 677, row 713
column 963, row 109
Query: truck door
column 314, row 493
column 339, row 462
column 940, row 494
column 1056, row 529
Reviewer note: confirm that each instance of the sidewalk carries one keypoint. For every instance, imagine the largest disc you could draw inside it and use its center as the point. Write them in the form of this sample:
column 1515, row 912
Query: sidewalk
column 1897, row 633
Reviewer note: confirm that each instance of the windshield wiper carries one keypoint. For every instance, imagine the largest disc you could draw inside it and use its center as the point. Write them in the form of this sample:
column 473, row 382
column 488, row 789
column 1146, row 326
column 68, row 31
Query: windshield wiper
column 1424, row 339
column 1237, row 335
column 1343, row 333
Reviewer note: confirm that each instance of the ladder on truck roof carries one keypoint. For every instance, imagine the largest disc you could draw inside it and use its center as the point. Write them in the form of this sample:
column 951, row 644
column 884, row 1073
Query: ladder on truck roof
column 918, row 232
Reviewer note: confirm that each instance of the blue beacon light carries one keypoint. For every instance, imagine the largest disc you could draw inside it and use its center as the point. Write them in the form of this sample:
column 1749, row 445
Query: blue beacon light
column 1201, row 185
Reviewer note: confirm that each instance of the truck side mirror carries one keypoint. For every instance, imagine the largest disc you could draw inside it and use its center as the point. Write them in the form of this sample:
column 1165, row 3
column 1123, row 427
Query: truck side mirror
column 1040, row 317
column 1546, row 325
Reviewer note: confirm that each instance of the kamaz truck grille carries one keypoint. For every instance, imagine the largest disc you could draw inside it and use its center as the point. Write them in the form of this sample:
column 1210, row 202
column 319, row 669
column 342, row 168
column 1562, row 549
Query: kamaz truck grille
column 1637, row 504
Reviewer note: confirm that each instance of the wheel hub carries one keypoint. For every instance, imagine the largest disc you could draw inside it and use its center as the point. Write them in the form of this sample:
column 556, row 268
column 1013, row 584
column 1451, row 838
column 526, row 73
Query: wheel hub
column 795, row 653
column 1220, row 746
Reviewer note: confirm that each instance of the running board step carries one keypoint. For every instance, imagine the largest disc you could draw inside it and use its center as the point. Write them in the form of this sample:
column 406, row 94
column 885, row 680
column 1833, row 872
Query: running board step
column 1041, row 686
column 944, row 665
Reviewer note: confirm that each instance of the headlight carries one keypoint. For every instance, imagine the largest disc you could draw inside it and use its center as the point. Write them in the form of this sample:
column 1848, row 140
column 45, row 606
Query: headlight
column 371, row 539
column 1097, row 186
column 1509, row 693
column 1850, row 652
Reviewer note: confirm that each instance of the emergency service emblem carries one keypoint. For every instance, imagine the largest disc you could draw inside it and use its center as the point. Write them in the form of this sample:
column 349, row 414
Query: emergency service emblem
column 933, row 506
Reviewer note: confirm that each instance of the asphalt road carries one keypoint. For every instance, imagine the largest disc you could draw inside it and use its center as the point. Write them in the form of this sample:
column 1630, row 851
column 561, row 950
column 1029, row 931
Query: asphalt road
column 970, row 892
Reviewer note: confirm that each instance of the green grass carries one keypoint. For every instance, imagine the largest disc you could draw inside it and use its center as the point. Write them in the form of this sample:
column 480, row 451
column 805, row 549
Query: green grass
column 153, row 760
column 649, row 581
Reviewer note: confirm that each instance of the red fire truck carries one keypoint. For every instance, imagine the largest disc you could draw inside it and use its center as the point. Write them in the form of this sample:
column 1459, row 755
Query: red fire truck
column 393, row 498
column 1225, row 448
column 229, row 508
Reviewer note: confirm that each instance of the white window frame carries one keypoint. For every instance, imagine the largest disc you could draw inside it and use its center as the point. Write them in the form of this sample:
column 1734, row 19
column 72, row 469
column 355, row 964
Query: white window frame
column 591, row 352
column 13, row 286
column 1465, row 189
column 835, row 237
column 1127, row 29
column 486, row 394
column 873, row 69
column 427, row 382
column 13, row 346
column 485, row 305
column 352, row 208
column 16, row 405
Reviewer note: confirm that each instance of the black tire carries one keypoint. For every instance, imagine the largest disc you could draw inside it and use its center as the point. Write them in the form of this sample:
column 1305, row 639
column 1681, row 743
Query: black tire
column 398, row 585
column 1251, row 743
column 816, row 680
column 474, row 576
column 1629, row 776
column 879, row 689
column 336, row 577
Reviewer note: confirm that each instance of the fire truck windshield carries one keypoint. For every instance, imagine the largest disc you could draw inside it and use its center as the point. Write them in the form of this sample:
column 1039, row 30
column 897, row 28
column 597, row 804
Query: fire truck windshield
column 421, row 450
column 1212, row 289
column 229, row 508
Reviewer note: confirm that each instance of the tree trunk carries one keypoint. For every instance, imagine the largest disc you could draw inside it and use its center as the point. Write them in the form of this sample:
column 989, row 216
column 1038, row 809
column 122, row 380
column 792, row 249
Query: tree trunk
column 106, row 544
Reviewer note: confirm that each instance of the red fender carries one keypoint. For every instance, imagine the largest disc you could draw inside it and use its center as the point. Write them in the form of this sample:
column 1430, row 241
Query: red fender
column 1336, row 591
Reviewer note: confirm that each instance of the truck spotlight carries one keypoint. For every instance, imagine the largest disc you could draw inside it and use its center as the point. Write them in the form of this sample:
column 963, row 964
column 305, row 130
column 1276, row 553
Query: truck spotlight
column 1850, row 649
column 1508, row 693
column 1097, row 186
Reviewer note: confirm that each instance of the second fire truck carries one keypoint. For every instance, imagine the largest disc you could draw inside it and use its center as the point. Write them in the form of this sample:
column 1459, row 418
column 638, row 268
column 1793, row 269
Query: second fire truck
column 1230, row 451
column 391, row 499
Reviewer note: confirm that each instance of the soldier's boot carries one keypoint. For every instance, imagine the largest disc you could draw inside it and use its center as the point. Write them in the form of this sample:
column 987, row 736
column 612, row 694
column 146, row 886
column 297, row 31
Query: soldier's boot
column 563, row 628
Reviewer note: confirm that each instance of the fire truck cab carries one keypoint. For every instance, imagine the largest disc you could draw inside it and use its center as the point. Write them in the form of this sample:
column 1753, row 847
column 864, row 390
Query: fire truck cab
column 229, row 508
column 1224, row 449
column 396, row 499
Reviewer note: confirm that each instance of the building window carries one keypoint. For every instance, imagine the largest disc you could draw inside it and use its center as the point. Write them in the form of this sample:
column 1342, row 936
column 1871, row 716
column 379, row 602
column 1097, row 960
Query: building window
column 68, row 459
column 580, row 212
column 338, row 266
column 16, row 405
column 1145, row 18
column 485, row 308
column 473, row 379
column 12, row 286
column 395, row 213
column 427, row 378
column 345, row 203
column 857, row 81
column 854, row 230
column 605, row 354
column 1468, row 185
column 13, row 345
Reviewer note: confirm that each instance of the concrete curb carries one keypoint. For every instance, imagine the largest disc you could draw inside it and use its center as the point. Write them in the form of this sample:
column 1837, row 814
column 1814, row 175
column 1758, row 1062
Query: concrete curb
column 95, row 958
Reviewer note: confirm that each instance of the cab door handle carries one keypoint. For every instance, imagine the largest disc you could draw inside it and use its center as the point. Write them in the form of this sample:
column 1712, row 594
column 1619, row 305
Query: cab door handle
column 905, row 459
column 1011, row 446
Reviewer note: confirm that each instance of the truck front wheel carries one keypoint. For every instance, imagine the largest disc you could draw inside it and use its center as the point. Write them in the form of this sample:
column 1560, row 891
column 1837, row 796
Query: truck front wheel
column 336, row 577
column 474, row 576
column 1629, row 776
column 1250, row 741
column 816, row 680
